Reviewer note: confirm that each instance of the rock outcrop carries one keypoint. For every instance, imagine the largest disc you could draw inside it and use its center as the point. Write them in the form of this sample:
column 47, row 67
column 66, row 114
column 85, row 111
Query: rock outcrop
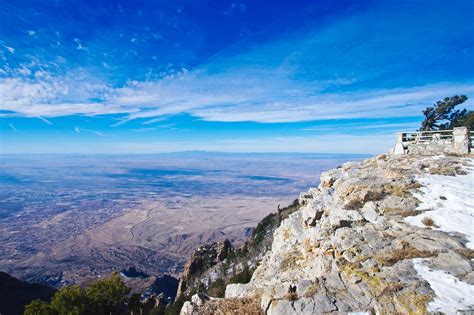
column 350, row 247
column 202, row 260
column 213, row 266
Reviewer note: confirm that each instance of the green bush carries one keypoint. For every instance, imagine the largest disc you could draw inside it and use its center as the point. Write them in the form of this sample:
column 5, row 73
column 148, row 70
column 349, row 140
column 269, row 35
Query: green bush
column 105, row 296
column 242, row 277
column 38, row 307
column 70, row 300
column 217, row 288
column 175, row 308
column 264, row 226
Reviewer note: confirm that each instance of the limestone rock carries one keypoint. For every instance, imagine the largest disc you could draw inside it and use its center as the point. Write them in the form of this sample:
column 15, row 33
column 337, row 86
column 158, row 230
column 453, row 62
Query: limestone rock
column 328, row 178
column 187, row 309
column 199, row 299
column 349, row 248
column 236, row 290
column 370, row 212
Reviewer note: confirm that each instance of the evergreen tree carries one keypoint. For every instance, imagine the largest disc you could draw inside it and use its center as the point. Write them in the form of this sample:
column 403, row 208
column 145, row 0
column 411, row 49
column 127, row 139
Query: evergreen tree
column 38, row 307
column 443, row 115
column 107, row 296
column 70, row 300
column 103, row 297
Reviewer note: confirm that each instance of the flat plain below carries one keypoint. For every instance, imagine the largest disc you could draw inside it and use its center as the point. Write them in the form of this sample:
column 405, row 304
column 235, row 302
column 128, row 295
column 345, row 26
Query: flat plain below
column 68, row 219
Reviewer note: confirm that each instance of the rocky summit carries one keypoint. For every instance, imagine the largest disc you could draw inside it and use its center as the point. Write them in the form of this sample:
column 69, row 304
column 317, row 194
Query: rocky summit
column 389, row 235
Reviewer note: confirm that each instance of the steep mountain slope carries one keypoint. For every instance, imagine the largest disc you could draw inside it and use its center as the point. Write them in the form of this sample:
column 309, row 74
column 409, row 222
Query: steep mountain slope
column 14, row 294
column 380, row 236
column 214, row 265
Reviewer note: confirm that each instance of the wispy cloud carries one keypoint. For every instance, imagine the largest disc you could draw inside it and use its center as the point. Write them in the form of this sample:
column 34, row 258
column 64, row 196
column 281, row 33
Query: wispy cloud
column 344, row 127
column 44, row 120
column 79, row 130
column 227, row 97
column 11, row 50
column 343, row 69
column 12, row 127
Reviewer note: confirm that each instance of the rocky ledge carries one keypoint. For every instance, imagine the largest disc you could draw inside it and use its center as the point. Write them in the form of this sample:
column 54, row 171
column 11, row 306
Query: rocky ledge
column 391, row 234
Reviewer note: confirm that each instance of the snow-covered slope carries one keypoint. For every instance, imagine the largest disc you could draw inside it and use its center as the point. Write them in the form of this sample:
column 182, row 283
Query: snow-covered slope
column 449, row 202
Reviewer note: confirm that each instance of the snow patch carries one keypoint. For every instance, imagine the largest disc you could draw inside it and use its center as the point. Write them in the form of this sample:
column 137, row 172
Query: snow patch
column 449, row 202
column 451, row 293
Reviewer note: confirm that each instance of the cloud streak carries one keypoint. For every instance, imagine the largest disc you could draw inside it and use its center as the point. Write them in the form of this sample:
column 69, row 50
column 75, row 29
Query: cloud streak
column 44, row 120
column 342, row 69
column 236, row 99
column 80, row 130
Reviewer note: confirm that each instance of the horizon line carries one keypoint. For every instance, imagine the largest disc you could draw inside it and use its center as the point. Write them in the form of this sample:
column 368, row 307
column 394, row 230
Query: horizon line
column 185, row 152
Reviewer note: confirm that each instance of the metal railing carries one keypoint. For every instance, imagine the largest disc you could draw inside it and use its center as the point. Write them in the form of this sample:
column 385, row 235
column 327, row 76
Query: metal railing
column 471, row 139
column 428, row 136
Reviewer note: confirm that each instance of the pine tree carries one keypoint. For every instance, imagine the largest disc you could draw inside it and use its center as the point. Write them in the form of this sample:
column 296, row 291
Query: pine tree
column 443, row 116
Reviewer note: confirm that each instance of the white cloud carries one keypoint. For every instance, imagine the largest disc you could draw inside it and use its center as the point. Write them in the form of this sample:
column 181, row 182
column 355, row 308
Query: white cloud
column 79, row 130
column 364, row 126
column 268, row 83
column 321, row 71
column 217, row 97
column 11, row 50
column 45, row 120
column 80, row 47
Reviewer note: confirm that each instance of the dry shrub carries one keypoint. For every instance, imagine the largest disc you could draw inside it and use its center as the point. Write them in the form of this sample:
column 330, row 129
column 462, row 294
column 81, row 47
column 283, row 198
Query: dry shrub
column 235, row 306
column 291, row 296
column 466, row 253
column 391, row 289
column 312, row 289
column 353, row 204
column 399, row 211
column 289, row 261
column 401, row 190
column 428, row 222
column 406, row 252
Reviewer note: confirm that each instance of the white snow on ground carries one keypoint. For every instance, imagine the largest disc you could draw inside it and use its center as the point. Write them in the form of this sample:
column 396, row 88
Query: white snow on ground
column 449, row 202
column 451, row 293
column 456, row 213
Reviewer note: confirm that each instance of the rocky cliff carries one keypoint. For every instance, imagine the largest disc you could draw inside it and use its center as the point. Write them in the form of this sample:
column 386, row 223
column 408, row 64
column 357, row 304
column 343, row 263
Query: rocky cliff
column 212, row 266
column 391, row 234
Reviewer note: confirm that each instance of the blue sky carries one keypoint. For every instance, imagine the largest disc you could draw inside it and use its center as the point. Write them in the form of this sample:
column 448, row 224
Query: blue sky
column 249, row 76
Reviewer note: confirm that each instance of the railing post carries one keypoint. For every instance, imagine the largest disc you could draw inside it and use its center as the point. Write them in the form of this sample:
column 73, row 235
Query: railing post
column 461, row 140
column 398, row 149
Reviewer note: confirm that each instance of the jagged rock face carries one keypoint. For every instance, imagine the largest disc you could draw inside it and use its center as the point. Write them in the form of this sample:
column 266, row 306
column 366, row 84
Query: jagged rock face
column 202, row 259
column 350, row 249
column 214, row 265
